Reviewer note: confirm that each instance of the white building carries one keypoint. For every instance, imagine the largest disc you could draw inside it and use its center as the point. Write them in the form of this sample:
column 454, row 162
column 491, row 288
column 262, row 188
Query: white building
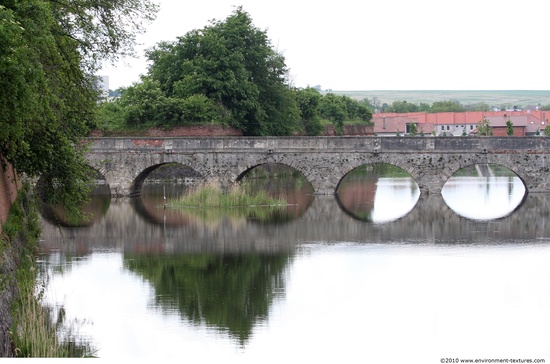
column 103, row 86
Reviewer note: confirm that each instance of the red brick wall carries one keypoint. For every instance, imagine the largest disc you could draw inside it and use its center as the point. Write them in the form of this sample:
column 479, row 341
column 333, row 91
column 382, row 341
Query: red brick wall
column 206, row 130
column 184, row 131
column 352, row 130
column 218, row 130
column 502, row 132
column 9, row 184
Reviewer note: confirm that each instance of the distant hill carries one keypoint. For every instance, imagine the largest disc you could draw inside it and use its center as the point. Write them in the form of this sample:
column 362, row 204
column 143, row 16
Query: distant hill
column 499, row 98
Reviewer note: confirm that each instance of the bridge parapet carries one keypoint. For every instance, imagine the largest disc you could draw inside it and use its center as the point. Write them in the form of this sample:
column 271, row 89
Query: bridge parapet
column 471, row 144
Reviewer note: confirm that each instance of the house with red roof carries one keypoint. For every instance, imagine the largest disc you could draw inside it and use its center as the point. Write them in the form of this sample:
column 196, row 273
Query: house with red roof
column 396, row 125
column 525, row 123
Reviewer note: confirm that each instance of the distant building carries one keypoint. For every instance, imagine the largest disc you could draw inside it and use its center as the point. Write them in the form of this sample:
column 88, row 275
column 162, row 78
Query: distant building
column 394, row 125
column 102, row 83
column 525, row 123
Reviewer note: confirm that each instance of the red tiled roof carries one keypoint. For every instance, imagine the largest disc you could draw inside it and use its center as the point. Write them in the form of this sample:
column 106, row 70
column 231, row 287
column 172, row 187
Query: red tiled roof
column 497, row 121
column 471, row 117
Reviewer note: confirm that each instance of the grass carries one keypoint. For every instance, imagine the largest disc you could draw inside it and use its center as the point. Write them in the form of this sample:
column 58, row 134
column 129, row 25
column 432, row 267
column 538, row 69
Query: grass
column 32, row 332
column 211, row 195
column 35, row 336
column 210, row 203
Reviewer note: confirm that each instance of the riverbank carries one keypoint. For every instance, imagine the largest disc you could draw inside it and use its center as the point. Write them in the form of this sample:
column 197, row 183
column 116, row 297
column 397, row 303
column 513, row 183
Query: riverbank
column 26, row 329
column 18, row 245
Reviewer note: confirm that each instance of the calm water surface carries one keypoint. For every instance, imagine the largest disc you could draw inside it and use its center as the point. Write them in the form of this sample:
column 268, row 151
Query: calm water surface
column 375, row 274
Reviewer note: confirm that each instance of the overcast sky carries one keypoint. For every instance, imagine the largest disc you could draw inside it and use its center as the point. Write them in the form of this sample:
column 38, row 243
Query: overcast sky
column 380, row 44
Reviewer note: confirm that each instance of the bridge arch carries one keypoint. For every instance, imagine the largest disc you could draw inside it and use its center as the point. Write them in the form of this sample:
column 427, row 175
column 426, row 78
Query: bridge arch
column 452, row 168
column 94, row 210
column 137, row 183
column 366, row 190
column 250, row 168
column 432, row 171
column 350, row 168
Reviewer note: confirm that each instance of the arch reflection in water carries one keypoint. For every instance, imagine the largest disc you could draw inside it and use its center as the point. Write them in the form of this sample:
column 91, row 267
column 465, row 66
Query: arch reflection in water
column 165, row 174
column 276, row 180
column 484, row 192
column 280, row 181
column 378, row 193
column 92, row 212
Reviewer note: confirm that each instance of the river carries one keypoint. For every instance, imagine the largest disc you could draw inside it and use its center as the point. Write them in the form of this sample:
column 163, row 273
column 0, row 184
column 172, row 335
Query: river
column 375, row 274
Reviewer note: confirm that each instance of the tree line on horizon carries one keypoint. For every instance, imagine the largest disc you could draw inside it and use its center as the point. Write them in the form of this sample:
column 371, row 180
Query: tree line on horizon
column 402, row 106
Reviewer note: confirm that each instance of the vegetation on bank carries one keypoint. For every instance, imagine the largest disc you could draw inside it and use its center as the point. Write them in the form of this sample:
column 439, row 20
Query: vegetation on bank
column 32, row 332
column 50, row 52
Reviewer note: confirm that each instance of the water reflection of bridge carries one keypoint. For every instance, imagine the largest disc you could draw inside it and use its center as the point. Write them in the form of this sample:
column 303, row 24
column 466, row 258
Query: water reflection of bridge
column 431, row 221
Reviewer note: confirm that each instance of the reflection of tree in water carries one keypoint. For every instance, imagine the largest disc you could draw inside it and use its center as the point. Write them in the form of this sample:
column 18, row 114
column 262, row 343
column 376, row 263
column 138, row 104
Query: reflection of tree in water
column 93, row 211
column 231, row 292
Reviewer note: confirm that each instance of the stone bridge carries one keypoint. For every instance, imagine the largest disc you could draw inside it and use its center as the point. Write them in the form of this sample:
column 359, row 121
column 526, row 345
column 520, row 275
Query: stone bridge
column 324, row 161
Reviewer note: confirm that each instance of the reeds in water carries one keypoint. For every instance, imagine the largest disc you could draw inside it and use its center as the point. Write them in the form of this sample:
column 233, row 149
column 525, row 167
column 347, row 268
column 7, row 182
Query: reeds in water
column 212, row 195
column 36, row 336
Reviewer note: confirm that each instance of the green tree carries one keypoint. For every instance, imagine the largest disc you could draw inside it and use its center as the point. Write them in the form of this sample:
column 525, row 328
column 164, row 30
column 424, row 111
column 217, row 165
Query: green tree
column 547, row 130
column 142, row 102
column 339, row 109
column 402, row 107
column 446, row 106
column 480, row 106
column 232, row 64
column 509, row 128
column 110, row 115
column 413, row 130
column 308, row 100
column 484, row 128
column 424, row 107
column 333, row 108
column 356, row 110
column 49, row 53
column 371, row 105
